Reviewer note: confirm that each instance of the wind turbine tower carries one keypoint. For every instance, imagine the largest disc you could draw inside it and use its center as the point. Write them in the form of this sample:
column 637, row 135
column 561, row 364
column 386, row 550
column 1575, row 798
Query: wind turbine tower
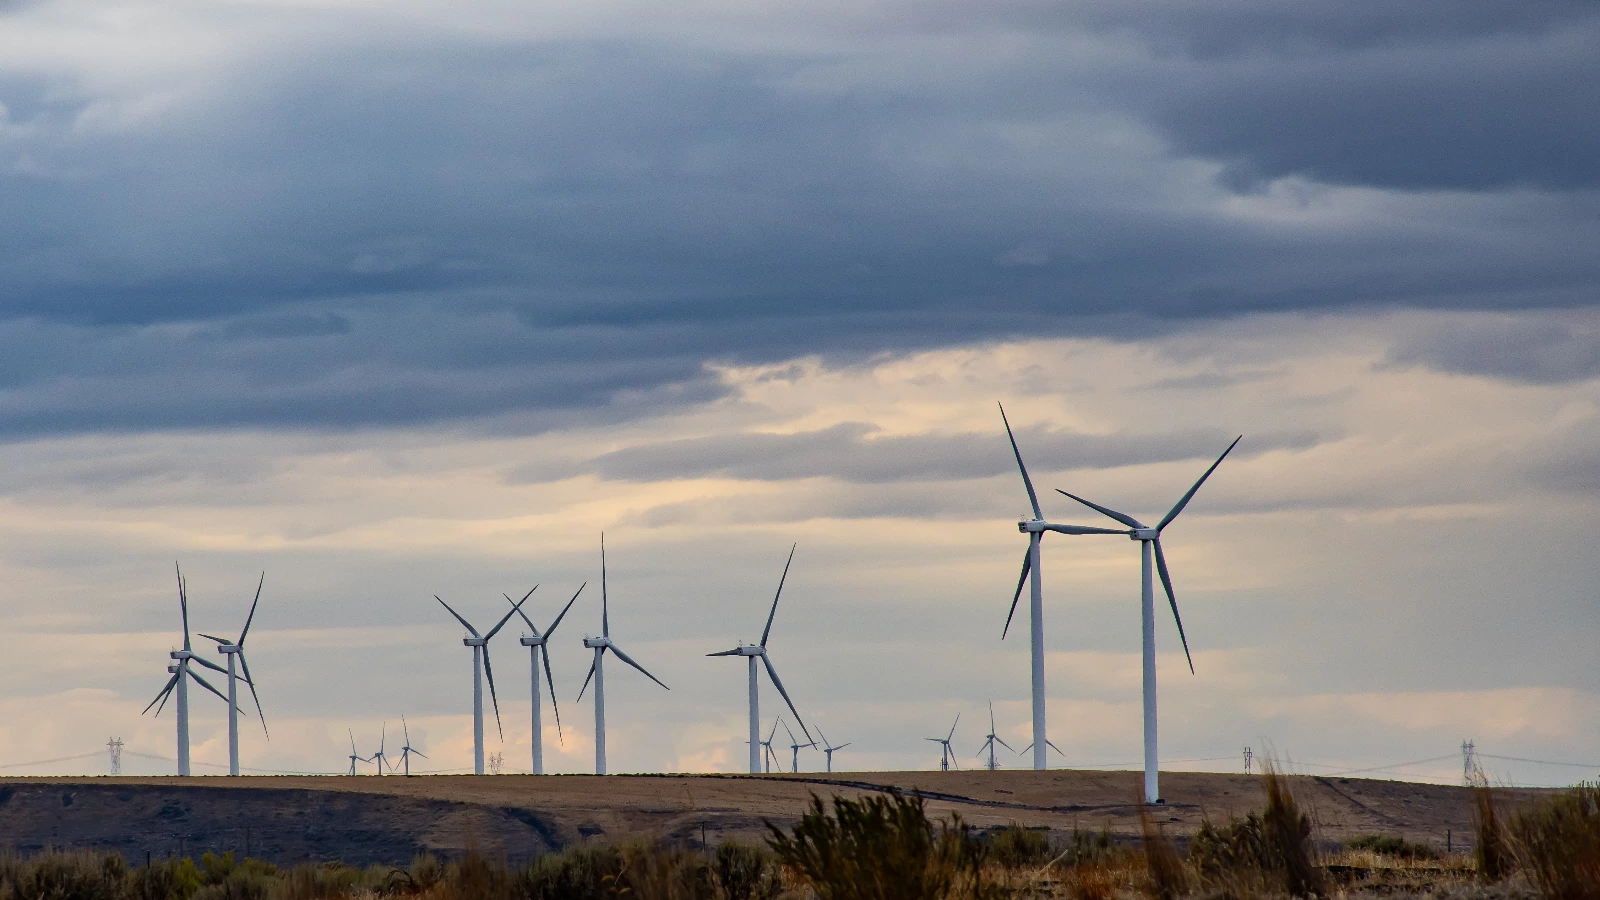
column 794, row 749
column 752, row 652
column 480, row 667
column 1035, row 528
column 1150, row 545
column 231, row 649
column 829, row 749
column 535, row 643
column 179, row 682
column 992, row 740
column 600, row 645
column 407, row 751
column 947, row 756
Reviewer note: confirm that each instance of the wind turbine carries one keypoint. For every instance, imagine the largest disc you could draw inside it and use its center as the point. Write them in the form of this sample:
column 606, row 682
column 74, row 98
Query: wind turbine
column 600, row 645
column 407, row 751
column 829, row 749
column 230, row 649
column 992, row 740
column 179, row 682
column 480, row 667
column 794, row 749
column 1150, row 540
column 767, row 753
column 1049, row 744
column 534, row 644
column 354, row 756
column 752, row 652
column 1035, row 528
column 380, row 757
column 947, row 756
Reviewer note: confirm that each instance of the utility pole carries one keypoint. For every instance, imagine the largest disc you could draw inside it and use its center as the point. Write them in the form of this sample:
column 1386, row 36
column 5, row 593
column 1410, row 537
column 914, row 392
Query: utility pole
column 1247, row 758
column 115, row 746
column 1471, row 773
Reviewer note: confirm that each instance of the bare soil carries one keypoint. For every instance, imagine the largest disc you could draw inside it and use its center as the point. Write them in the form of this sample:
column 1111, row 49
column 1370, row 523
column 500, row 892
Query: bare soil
column 368, row 819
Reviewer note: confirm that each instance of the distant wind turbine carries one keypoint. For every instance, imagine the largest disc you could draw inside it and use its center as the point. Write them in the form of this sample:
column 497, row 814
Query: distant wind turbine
column 535, row 643
column 1150, row 540
column 407, row 751
column 480, row 667
column 232, row 649
column 767, row 753
column 992, row 739
column 752, row 652
column 597, row 672
column 1035, row 528
column 1047, row 743
column 830, row 749
column 947, row 756
column 179, row 682
column 381, row 758
column 794, row 749
column 354, row 756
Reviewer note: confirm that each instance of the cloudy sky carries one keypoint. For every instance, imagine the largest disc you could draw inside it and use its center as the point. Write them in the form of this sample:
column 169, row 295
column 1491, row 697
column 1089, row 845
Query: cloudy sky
column 397, row 299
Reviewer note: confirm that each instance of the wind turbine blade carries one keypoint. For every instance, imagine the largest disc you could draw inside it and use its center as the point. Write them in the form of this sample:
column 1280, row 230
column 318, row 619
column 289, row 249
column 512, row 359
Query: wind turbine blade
column 1051, row 744
column 250, row 618
column 953, row 727
column 207, row 685
column 253, row 695
column 1124, row 518
column 209, row 664
column 1166, row 582
column 465, row 624
column 420, row 753
column 1033, row 498
column 406, row 729
column 773, row 733
column 552, row 629
column 586, row 679
column 1178, row 507
column 991, row 717
column 551, row 681
column 1082, row 529
column 605, row 605
column 778, row 683
column 842, row 746
column 1027, row 566
column 383, row 739
column 515, row 608
column 733, row 652
column 489, row 671
column 1003, row 743
column 629, row 660
column 212, row 637
column 518, row 607
column 788, row 732
column 775, row 597
column 183, row 606
column 171, row 682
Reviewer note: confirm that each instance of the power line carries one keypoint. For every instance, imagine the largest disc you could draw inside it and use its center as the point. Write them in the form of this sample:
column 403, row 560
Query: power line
column 1542, row 762
column 40, row 762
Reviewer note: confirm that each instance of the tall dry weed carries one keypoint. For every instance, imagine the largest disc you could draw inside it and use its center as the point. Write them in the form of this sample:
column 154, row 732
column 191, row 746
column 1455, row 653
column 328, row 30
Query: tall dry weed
column 1169, row 877
column 1287, row 833
column 1557, row 842
column 1491, row 853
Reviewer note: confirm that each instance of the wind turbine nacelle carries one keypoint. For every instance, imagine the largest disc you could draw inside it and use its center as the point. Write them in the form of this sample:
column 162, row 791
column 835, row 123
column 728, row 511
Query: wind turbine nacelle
column 1144, row 534
column 227, row 648
column 594, row 643
column 1031, row 526
column 182, row 654
column 172, row 669
column 752, row 650
column 475, row 642
column 533, row 641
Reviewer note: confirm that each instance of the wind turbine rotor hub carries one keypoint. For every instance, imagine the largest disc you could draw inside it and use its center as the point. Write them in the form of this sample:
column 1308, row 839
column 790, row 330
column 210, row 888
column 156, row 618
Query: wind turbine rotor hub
column 475, row 642
column 1031, row 526
column 1144, row 534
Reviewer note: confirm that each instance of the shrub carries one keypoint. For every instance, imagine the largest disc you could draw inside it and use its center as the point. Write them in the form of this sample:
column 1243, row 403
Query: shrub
column 743, row 872
column 1392, row 845
column 1168, row 878
column 588, row 872
column 1558, row 844
column 1287, row 834
column 1015, row 846
column 881, row 848
column 62, row 876
column 1087, row 848
column 1217, row 852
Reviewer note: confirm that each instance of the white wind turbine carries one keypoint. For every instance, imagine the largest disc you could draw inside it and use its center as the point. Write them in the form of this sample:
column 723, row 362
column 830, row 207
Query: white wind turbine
column 597, row 672
column 947, row 756
column 179, row 682
column 767, row 753
column 232, row 649
column 381, row 758
column 1035, row 528
column 480, row 667
column 830, row 749
column 534, row 644
column 752, row 652
column 408, row 751
column 794, row 748
column 354, row 756
column 1150, row 544
column 992, row 740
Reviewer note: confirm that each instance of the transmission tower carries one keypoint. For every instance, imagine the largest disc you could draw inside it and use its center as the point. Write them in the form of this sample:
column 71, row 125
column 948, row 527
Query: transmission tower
column 1247, row 757
column 1471, row 773
column 115, row 746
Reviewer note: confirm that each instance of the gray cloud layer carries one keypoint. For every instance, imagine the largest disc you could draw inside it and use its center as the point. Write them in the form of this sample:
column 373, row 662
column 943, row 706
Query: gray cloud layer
column 384, row 226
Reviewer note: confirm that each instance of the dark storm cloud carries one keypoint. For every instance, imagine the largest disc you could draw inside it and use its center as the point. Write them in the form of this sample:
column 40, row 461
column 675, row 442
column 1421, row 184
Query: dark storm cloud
column 385, row 228
column 1518, row 349
column 852, row 452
